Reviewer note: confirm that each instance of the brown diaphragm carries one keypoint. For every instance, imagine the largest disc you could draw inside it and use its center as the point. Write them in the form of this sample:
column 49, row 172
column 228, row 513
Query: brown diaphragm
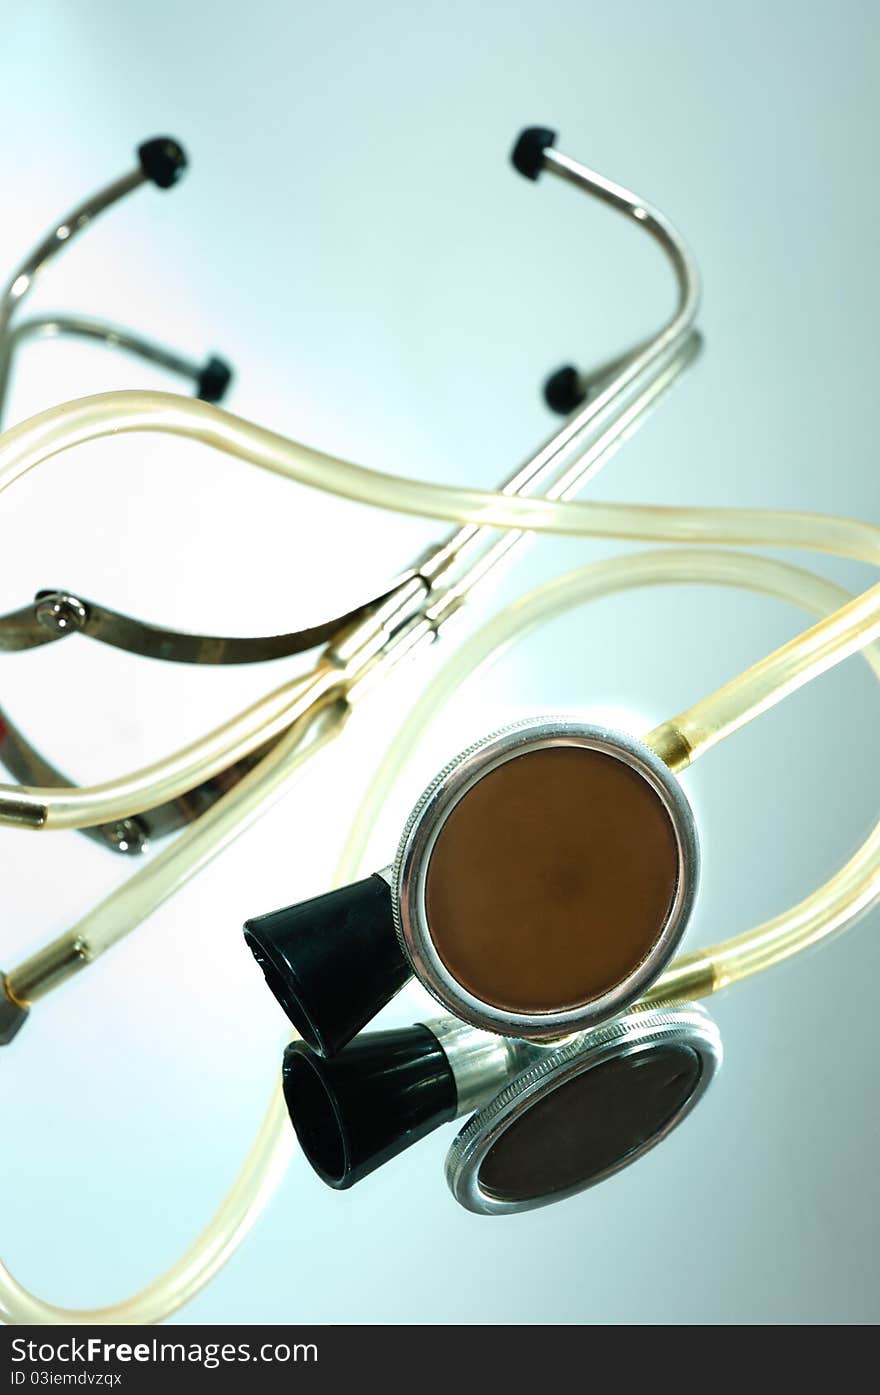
column 590, row 1124
column 551, row 879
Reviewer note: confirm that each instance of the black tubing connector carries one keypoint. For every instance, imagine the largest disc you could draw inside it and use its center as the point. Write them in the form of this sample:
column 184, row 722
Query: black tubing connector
column 563, row 391
column 212, row 384
column 528, row 153
column 381, row 1094
column 163, row 160
column 332, row 962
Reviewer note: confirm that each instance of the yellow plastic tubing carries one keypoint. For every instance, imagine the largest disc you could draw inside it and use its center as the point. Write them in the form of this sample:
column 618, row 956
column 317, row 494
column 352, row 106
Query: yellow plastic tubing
column 112, row 414
column 829, row 908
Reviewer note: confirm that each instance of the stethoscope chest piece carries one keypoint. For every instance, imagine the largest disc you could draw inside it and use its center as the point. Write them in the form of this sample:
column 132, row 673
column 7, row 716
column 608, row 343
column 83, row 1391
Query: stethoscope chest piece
column 545, row 878
column 543, row 881
column 582, row 1113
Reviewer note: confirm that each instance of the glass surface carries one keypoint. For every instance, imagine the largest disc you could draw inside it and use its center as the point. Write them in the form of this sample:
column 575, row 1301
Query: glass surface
column 394, row 293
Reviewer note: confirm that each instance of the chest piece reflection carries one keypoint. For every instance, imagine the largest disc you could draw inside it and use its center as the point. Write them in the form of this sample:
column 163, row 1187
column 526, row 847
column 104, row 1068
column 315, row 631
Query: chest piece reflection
column 584, row 1112
column 550, row 1121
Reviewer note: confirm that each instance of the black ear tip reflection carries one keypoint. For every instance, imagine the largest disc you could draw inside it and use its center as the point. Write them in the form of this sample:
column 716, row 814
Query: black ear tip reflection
column 332, row 962
column 315, row 1118
column 377, row 1097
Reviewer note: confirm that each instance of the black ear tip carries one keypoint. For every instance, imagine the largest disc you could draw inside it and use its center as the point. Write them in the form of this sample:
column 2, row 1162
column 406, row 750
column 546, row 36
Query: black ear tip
column 563, row 391
column 163, row 160
column 213, row 382
column 528, row 153
column 333, row 961
column 282, row 983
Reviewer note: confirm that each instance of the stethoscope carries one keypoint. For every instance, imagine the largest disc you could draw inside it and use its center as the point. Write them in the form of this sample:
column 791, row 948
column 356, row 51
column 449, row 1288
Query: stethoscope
column 255, row 756
column 541, row 886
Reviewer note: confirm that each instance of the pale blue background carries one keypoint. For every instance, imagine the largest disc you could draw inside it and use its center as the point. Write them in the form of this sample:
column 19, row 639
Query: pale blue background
column 351, row 234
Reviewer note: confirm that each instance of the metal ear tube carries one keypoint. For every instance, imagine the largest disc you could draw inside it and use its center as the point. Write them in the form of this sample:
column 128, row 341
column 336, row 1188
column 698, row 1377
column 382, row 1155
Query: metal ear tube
column 162, row 162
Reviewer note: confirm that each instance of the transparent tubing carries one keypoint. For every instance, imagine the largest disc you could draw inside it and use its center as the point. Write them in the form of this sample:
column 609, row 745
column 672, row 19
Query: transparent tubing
column 121, row 912
column 71, row 806
column 38, row 439
column 233, row 813
column 745, row 697
column 61, row 428
column 830, row 908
